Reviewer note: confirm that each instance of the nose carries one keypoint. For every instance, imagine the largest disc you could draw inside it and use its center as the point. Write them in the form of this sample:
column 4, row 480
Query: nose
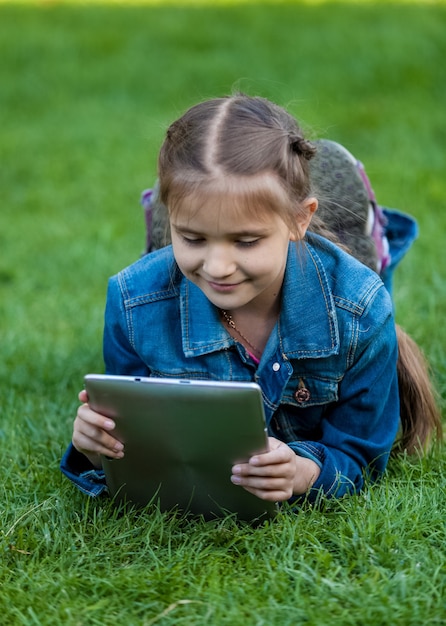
column 219, row 261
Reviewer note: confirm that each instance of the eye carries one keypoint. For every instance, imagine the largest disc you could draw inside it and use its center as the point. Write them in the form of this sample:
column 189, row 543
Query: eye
column 192, row 241
column 248, row 243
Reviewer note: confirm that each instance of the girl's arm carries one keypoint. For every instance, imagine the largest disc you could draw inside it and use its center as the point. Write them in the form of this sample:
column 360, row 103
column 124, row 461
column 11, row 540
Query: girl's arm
column 357, row 432
column 91, row 431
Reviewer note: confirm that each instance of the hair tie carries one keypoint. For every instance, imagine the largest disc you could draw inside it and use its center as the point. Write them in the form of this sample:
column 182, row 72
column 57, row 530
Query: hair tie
column 301, row 146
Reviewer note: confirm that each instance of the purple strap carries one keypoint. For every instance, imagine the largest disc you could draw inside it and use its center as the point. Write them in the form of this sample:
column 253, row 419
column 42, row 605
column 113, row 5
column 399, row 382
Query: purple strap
column 146, row 202
column 379, row 223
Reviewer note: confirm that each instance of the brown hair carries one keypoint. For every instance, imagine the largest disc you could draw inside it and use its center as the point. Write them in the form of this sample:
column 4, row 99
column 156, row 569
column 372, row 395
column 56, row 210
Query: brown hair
column 419, row 412
column 232, row 141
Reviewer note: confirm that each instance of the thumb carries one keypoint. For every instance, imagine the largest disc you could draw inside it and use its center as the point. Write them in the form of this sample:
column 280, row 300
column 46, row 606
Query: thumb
column 83, row 396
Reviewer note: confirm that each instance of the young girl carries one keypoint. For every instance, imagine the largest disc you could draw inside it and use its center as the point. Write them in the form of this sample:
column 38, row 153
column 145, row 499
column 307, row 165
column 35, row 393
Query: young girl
column 247, row 292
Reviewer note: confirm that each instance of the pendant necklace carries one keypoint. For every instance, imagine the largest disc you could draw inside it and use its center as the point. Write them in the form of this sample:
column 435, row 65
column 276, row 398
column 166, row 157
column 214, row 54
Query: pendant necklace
column 230, row 322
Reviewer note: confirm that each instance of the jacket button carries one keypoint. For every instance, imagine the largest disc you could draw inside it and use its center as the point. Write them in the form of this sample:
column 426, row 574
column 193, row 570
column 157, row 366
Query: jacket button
column 302, row 394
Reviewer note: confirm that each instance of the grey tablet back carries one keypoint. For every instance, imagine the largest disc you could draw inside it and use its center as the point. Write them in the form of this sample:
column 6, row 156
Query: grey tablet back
column 181, row 439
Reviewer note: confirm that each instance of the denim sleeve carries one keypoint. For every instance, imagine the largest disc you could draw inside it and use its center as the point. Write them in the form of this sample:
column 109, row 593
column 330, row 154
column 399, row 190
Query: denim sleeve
column 81, row 472
column 359, row 431
column 120, row 356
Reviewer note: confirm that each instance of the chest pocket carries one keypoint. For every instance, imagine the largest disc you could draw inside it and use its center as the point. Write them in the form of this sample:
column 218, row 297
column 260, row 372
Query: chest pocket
column 306, row 391
column 305, row 403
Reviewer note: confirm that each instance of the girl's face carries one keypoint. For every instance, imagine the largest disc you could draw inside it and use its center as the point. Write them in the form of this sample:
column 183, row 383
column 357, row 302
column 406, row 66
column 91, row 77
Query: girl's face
column 236, row 259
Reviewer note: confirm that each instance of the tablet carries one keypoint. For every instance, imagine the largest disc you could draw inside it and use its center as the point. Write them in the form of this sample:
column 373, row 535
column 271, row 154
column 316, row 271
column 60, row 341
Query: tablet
column 181, row 439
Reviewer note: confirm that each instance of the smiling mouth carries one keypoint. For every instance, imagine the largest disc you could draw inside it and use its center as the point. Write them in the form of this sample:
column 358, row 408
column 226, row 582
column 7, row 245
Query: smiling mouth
column 222, row 287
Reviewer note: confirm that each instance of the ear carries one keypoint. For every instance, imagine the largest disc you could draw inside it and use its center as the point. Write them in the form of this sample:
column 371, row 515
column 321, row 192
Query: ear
column 303, row 218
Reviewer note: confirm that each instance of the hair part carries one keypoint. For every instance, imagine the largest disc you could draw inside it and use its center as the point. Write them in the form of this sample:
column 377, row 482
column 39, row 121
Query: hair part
column 231, row 144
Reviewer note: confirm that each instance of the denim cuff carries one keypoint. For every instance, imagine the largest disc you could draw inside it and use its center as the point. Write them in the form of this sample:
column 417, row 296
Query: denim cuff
column 329, row 481
column 81, row 472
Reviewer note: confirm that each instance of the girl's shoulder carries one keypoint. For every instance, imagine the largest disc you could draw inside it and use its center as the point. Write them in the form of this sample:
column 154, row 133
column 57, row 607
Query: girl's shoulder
column 335, row 256
column 348, row 279
column 154, row 273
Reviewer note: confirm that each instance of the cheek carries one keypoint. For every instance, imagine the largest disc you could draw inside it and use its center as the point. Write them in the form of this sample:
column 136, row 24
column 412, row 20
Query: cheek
column 185, row 258
column 264, row 268
column 271, row 260
column 178, row 254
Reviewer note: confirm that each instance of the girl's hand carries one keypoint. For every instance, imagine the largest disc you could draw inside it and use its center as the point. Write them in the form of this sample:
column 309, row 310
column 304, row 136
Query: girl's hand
column 276, row 475
column 91, row 434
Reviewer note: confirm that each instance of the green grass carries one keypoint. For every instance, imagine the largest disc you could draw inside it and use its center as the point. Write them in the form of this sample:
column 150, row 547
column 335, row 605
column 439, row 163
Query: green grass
column 86, row 93
column 377, row 558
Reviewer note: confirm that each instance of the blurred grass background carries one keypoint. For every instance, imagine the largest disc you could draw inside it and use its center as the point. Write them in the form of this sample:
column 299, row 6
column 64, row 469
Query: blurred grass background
column 86, row 92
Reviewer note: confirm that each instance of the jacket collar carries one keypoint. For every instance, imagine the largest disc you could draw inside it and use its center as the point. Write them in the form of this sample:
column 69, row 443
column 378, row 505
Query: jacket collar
column 307, row 325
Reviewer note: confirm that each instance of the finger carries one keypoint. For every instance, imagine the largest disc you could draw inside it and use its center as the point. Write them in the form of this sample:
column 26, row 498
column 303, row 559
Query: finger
column 279, row 455
column 95, row 426
column 98, row 434
column 91, row 447
column 272, row 492
column 83, row 396
column 91, row 440
column 276, row 470
column 274, row 443
column 89, row 416
column 91, row 433
column 264, row 483
column 270, row 496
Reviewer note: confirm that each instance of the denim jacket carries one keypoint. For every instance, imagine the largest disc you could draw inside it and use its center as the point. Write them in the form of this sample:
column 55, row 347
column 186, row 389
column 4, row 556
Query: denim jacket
column 327, row 374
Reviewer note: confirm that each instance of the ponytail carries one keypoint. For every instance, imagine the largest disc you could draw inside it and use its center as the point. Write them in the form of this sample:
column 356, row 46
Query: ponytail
column 419, row 412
